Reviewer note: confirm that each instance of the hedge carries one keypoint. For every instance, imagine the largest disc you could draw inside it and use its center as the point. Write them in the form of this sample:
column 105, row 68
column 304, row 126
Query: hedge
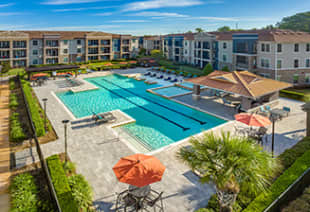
column 300, row 204
column 16, row 131
column 294, row 95
column 61, row 185
column 281, row 184
column 34, row 109
column 24, row 194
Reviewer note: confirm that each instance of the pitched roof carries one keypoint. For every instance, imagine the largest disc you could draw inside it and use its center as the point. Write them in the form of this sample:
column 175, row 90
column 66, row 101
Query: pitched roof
column 275, row 35
column 242, row 83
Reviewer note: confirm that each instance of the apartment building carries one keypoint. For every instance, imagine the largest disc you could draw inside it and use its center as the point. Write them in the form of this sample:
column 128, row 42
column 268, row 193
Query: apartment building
column 173, row 47
column 152, row 43
column 278, row 54
column 205, row 50
column 24, row 48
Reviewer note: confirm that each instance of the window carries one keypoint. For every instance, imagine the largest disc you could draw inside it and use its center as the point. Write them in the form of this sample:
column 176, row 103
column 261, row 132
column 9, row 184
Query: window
column 35, row 52
column 79, row 50
column 185, row 51
column 308, row 47
column 35, row 62
column 279, row 64
column 308, row 63
column 267, row 47
column 65, row 59
column 263, row 47
column 278, row 77
column 265, row 63
column 279, row 47
column 296, row 63
column 307, row 78
column 295, row 78
column 79, row 42
column 65, row 51
column 224, row 57
column 65, row 42
column 185, row 43
column 296, row 47
column 35, row 42
column 224, row 45
column 78, row 59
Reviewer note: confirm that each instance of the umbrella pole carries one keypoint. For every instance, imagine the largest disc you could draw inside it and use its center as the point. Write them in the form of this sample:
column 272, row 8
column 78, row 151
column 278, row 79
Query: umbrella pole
column 272, row 144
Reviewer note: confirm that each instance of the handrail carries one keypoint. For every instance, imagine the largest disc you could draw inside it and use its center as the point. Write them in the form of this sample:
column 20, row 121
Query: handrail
column 39, row 151
column 139, row 140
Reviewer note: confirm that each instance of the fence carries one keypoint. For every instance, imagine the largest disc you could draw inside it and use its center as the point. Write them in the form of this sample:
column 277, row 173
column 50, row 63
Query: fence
column 290, row 193
column 40, row 154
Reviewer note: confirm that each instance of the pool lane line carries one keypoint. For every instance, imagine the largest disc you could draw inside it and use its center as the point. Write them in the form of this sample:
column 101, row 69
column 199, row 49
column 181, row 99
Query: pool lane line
column 156, row 114
column 147, row 99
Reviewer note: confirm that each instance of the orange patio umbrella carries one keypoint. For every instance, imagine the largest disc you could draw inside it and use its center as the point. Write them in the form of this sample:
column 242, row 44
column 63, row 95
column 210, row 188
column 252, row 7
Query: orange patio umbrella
column 40, row 75
column 139, row 170
column 123, row 63
column 108, row 64
column 132, row 62
column 253, row 119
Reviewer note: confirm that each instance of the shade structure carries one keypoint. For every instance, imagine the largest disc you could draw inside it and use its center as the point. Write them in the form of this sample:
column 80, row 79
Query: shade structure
column 139, row 170
column 40, row 75
column 253, row 119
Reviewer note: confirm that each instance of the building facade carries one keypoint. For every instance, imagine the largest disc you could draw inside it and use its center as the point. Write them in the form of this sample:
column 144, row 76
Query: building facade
column 25, row 48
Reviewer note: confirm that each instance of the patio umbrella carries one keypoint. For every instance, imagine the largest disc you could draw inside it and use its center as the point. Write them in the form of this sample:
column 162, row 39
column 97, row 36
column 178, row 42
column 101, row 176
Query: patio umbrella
column 40, row 75
column 123, row 63
column 139, row 170
column 108, row 64
column 253, row 119
column 132, row 62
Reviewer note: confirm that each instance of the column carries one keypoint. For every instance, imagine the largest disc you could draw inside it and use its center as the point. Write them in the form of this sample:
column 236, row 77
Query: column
column 196, row 94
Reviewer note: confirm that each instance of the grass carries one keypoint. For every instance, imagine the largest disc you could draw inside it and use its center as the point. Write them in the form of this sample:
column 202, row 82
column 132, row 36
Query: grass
column 13, row 72
column 185, row 68
column 302, row 94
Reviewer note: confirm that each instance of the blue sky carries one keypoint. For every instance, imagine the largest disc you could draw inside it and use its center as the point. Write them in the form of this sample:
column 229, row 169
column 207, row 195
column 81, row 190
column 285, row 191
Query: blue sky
column 140, row 17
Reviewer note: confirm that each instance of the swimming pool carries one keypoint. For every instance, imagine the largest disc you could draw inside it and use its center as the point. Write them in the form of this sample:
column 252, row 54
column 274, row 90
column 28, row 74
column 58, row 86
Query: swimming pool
column 172, row 91
column 159, row 121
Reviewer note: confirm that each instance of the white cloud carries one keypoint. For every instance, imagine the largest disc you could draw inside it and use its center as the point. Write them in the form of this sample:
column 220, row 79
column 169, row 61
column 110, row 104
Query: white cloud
column 103, row 14
column 10, row 14
column 215, row 18
column 80, row 9
column 153, row 4
column 63, row 2
column 159, row 14
column 129, row 21
column 6, row 5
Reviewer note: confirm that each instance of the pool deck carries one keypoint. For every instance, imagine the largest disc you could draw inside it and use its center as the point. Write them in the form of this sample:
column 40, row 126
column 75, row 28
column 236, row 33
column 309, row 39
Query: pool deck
column 96, row 148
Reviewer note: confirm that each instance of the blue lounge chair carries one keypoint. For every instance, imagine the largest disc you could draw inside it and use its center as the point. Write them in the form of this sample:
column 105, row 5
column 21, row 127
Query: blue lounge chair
column 168, row 78
column 268, row 108
column 160, row 77
column 174, row 80
column 195, row 76
column 263, row 110
column 189, row 75
column 287, row 110
column 153, row 75
column 147, row 74
column 225, row 101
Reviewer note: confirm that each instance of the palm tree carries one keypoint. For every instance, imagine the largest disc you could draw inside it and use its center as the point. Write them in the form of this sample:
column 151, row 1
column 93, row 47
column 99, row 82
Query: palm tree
column 199, row 30
column 231, row 163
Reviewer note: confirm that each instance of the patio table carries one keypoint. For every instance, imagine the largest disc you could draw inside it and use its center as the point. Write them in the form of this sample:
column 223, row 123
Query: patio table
column 279, row 112
column 139, row 192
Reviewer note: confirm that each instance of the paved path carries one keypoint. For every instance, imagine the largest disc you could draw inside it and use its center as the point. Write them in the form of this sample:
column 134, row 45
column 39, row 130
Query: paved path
column 4, row 145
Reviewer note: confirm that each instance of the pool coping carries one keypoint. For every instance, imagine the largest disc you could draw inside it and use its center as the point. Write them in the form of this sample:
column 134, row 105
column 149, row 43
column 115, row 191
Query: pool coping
column 152, row 90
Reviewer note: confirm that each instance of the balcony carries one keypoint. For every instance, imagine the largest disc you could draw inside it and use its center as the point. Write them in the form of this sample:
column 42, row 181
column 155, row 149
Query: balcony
column 242, row 65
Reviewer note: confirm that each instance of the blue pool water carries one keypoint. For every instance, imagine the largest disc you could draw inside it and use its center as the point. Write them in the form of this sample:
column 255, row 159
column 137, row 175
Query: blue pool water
column 172, row 91
column 189, row 85
column 159, row 122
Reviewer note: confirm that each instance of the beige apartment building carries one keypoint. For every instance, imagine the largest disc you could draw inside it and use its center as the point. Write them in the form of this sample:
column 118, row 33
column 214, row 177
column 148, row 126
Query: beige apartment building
column 25, row 48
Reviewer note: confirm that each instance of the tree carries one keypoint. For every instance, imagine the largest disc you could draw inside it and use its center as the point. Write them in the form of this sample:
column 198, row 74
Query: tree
column 232, row 164
column 189, row 31
column 297, row 22
column 208, row 69
column 199, row 30
column 156, row 53
column 224, row 29
column 142, row 52
column 5, row 66
column 225, row 68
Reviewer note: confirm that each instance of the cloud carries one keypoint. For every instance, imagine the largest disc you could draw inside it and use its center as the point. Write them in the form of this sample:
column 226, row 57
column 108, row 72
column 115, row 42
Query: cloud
column 10, row 14
column 63, row 2
column 103, row 14
column 216, row 18
column 159, row 14
column 80, row 9
column 129, row 21
column 6, row 5
column 154, row 4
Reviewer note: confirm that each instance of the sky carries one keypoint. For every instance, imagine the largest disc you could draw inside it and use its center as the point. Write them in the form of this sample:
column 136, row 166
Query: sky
column 144, row 17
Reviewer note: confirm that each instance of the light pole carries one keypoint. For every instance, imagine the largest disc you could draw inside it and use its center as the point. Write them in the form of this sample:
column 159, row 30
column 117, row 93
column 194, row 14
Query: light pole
column 45, row 101
column 65, row 122
column 273, row 119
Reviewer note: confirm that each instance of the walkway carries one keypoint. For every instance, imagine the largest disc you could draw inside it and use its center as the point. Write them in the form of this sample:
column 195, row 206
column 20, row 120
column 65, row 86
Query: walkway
column 4, row 146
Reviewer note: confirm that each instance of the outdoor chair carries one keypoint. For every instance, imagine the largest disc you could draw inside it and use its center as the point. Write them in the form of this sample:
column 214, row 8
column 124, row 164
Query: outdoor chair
column 104, row 117
column 174, row 80
column 263, row 110
column 287, row 109
column 147, row 74
column 227, row 102
column 151, row 203
column 168, row 78
column 160, row 77
column 153, row 75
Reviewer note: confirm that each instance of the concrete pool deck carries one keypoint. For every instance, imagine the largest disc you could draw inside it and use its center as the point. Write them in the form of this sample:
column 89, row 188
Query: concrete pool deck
column 96, row 149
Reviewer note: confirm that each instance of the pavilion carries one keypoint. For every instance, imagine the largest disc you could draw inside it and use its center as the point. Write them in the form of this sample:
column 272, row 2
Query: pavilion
column 252, row 90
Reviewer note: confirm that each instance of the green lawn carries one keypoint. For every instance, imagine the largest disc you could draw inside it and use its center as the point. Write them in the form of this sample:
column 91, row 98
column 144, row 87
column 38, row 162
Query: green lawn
column 186, row 68
column 14, row 71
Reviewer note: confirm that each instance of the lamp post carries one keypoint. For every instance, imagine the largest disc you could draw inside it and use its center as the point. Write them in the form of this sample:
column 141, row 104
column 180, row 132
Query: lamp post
column 45, row 101
column 273, row 119
column 65, row 122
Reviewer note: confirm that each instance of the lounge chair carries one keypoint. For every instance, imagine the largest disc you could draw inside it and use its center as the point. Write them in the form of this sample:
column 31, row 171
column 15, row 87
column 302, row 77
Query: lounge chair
column 174, row 80
column 160, row 77
column 195, row 76
column 147, row 74
column 153, row 75
column 103, row 117
column 225, row 101
column 263, row 110
column 89, row 71
column 168, row 78
column 287, row 110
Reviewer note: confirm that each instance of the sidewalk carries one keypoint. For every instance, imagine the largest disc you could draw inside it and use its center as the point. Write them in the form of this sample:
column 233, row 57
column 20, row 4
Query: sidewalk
column 4, row 146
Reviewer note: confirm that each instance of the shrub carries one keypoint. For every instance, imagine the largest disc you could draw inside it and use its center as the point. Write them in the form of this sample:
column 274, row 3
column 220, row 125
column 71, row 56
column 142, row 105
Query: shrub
column 225, row 68
column 61, row 185
column 81, row 191
column 205, row 210
column 24, row 194
column 12, row 84
column 69, row 167
column 281, row 184
column 34, row 109
column 16, row 131
column 294, row 95
column 300, row 204
column 13, row 101
column 207, row 69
